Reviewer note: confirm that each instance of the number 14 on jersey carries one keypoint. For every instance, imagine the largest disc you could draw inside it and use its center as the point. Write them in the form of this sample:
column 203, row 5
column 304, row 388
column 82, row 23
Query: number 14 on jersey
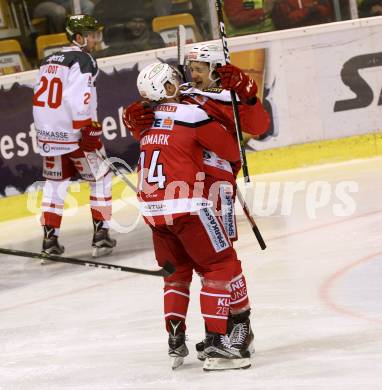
column 154, row 171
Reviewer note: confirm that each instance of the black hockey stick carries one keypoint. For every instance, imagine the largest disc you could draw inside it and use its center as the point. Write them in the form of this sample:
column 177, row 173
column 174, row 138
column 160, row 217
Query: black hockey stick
column 116, row 171
column 239, row 133
column 244, row 205
column 251, row 220
column 167, row 269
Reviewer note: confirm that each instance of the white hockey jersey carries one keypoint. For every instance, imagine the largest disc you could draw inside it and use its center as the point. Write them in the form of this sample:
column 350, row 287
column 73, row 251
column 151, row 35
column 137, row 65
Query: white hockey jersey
column 65, row 100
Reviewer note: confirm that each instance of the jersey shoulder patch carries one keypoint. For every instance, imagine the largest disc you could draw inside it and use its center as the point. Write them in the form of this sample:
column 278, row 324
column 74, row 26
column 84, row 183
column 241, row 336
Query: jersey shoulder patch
column 185, row 87
column 213, row 90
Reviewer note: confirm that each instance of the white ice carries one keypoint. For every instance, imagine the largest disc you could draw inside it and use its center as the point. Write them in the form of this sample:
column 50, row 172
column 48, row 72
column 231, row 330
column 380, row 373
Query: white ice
column 316, row 292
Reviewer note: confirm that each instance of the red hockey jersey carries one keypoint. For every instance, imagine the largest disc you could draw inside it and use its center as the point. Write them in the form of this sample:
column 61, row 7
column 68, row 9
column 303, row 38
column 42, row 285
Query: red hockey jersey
column 217, row 103
column 170, row 167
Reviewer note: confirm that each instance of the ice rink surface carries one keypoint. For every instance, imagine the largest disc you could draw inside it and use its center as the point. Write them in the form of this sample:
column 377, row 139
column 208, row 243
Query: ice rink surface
column 316, row 292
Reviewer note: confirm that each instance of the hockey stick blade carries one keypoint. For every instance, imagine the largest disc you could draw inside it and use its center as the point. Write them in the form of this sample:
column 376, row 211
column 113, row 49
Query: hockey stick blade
column 167, row 269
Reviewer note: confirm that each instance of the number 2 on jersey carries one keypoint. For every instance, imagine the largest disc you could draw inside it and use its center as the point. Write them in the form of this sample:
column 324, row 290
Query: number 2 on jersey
column 54, row 87
column 155, row 170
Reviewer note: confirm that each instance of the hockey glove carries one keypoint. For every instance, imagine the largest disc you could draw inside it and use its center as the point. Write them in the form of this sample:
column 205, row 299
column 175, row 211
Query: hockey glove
column 138, row 117
column 235, row 79
column 90, row 140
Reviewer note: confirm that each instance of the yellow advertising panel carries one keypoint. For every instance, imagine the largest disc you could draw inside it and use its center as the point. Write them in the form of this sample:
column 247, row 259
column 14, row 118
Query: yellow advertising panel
column 252, row 62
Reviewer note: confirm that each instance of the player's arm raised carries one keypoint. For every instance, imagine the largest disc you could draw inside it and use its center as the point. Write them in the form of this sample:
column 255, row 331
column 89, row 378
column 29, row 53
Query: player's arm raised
column 253, row 117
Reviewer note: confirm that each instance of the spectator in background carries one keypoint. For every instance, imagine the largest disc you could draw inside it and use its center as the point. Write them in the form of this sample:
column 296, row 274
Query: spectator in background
column 56, row 11
column 247, row 17
column 199, row 9
column 370, row 8
column 129, row 29
column 299, row 13
column 140, row 35
column 243, row 13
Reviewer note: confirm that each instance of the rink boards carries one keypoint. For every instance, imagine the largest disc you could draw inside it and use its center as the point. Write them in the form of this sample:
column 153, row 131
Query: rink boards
column 266, row 161
column 321, row 85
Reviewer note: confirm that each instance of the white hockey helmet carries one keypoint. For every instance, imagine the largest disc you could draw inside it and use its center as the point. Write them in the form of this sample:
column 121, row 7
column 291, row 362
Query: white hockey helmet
column 202, row 52
column 152, row 79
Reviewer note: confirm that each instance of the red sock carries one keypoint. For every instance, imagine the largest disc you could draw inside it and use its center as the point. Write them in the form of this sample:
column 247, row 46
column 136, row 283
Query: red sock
column 176, row 299
column 239, row 295
column 51, row 219
column 214, row 304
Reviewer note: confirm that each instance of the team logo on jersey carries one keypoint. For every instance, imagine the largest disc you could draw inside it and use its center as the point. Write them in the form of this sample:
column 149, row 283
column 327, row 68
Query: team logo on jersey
column 56, row 58
column 46, row 148
column 166, row 123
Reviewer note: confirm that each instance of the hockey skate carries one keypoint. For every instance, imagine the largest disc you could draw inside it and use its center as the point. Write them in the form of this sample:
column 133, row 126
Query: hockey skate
column 102, row 243
column 201, row 355
column 240, row 334
column 50, row 245
column 222, row 355
column 177, row 348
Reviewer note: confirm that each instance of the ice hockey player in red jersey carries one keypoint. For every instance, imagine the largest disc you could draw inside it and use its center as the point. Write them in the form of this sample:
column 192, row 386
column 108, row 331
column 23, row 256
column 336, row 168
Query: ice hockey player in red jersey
column 211, row 82
column 175, row 205
column 68, row 134
column 210, row 87
column 207, row 89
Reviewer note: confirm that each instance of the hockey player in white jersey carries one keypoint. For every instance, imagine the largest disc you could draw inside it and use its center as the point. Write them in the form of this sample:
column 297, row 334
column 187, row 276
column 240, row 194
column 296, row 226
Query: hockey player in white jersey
column 68, row 134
